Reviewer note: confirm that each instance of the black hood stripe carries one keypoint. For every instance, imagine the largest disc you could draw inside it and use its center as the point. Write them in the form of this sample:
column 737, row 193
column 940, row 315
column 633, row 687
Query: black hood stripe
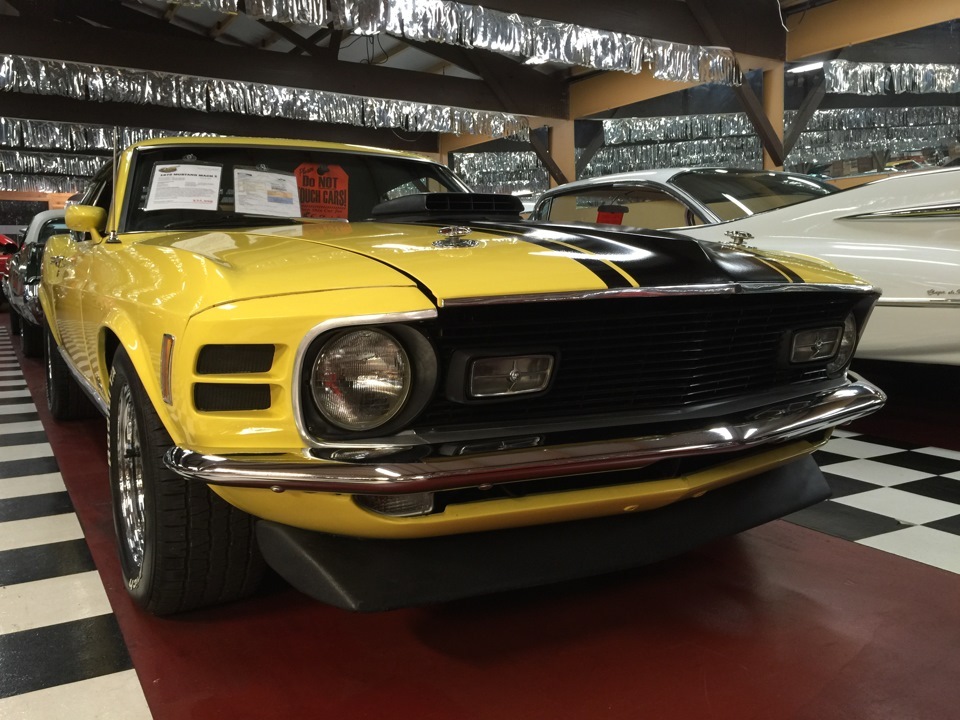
column 566, row 244
column 600, row 267
column 651, row 258
column 780, row 267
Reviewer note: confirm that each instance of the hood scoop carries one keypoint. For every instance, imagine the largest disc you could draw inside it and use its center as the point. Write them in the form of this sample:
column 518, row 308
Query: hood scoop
column 449, row 208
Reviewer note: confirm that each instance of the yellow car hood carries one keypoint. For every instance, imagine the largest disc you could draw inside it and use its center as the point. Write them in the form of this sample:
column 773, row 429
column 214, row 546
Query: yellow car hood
column 489, row 260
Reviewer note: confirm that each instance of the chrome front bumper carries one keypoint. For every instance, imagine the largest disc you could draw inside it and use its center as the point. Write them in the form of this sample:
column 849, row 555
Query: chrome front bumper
column 775, row 423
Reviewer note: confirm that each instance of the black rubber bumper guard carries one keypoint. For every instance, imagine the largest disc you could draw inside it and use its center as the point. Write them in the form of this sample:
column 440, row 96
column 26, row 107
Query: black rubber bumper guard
column 373, row 575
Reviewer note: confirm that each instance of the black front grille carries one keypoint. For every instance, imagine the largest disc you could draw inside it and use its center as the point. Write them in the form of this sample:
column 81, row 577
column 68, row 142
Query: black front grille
column 637, row 354
column 224, row 397
column 234, row 359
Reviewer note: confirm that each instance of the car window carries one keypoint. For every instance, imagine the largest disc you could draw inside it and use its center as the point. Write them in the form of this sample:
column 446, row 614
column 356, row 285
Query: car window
column 635, row 206
column 183, row 187
column 733, row 194
column 50, row 228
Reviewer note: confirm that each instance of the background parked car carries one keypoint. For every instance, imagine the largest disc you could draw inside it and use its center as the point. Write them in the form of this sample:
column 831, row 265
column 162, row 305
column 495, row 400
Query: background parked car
column 675, row 197
column 8, row 246
column 22, row 280
column 901, row 233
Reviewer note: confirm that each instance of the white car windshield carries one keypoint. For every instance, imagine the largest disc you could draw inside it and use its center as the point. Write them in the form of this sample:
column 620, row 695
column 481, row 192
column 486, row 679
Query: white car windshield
column 732, row 194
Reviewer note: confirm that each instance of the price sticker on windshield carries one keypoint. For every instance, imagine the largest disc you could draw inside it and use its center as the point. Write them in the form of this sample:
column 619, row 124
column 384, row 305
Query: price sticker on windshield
column 184, row 186
column 265, row 192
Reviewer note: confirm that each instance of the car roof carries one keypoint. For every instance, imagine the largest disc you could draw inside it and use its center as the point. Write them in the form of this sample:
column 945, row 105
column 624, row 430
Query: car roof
column 269, row 142
column 661, row 175
column 44, row 216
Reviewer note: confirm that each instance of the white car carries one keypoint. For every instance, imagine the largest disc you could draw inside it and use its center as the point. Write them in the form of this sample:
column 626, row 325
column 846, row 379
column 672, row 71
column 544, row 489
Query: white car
column 901, row 233
column 673, row 197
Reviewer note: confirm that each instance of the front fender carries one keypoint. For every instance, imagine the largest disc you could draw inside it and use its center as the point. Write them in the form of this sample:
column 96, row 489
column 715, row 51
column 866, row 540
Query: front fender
column 120, row 331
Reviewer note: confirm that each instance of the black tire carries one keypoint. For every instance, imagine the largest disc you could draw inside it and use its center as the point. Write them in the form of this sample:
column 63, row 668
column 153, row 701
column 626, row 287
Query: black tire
column 65, row 399
column 31, row 339
column 14, row 322
column 181, row 546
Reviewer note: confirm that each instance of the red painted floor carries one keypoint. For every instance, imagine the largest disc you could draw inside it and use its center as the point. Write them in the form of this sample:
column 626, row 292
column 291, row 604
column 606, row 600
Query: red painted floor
column 778, row 623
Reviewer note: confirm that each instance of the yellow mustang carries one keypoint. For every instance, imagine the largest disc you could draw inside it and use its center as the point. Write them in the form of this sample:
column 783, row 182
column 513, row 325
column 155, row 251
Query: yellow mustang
column 398, row 392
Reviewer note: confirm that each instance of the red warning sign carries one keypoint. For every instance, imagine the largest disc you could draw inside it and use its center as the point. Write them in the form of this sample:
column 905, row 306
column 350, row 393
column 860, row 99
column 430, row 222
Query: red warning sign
column 324, row 190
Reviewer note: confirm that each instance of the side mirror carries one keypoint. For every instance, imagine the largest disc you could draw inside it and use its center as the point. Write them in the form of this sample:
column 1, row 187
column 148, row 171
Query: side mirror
column 86, row 219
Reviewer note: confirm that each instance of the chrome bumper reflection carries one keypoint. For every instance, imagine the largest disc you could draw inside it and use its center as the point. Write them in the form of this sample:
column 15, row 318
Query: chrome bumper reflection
column 775, row 423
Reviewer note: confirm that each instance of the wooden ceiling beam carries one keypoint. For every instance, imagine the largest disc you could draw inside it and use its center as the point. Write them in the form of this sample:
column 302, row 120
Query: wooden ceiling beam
column 811, row 103
column 312, row 42
column 771, row 141
column 290, row 35
column 850, row 22
column 221, row 27
column 509, row 79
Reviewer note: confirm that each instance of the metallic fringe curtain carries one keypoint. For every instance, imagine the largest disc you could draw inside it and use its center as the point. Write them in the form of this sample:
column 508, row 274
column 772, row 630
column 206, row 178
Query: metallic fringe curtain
column 676, row 141
column 848, row 133
column 537, row 40
column 737, row 151
column 100, row 83
column 843, row 76
column 517, row 173
column 22, row 169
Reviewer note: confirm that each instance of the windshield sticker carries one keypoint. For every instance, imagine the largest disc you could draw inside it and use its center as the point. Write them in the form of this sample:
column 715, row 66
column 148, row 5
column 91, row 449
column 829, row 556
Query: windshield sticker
column 324, row 190
column 265, row 192
column 184, row 186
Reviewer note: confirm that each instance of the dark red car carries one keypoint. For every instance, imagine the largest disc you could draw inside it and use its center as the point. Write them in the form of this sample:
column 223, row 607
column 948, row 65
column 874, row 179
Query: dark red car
column 8, row 246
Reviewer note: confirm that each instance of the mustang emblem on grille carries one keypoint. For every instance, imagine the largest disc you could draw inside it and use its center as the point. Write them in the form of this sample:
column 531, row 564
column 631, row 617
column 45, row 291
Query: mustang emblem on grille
column 454, row 237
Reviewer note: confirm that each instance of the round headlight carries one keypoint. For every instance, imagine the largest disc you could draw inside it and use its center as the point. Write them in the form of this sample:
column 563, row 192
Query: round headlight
column 848, row 343
column 360, row 379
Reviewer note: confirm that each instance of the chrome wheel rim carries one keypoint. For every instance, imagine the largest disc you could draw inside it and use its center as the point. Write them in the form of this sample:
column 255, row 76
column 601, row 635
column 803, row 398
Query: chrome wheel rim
column 129, row 484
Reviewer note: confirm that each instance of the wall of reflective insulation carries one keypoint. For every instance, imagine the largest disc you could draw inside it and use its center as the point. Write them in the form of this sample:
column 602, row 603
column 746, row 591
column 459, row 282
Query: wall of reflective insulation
column 850, row 133
column 536, row 39
column 514, row 173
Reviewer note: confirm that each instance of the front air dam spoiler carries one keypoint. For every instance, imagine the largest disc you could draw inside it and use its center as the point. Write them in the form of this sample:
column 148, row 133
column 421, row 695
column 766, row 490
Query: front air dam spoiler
column 370, row 575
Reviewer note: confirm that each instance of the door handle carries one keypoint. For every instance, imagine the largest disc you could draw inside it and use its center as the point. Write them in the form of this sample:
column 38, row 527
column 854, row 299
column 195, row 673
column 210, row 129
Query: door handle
column 56, row 260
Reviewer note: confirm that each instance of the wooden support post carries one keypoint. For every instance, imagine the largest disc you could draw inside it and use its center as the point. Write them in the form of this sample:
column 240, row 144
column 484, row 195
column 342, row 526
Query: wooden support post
column 807, row 108
column 541, row 141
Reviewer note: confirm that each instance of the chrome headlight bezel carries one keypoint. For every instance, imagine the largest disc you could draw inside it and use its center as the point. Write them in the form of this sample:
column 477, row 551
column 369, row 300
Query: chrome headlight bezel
column 850, row 335
column 839, row 340
column 418, row 377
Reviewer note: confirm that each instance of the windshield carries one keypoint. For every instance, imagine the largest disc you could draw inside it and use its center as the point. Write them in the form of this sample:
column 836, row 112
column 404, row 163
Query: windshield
column 204, row 186
column 733, row 194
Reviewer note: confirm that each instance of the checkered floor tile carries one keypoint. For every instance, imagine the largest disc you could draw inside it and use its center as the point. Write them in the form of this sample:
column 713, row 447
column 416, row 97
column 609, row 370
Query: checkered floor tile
column 895, row 496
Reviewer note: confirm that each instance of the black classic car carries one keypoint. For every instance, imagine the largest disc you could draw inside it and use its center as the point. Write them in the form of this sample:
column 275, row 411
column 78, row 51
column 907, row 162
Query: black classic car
column 22, row 279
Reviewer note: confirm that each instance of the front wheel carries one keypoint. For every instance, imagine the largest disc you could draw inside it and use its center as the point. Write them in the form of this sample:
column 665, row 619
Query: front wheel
column 31, row 339
column 14, row 322
column 181, row 546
